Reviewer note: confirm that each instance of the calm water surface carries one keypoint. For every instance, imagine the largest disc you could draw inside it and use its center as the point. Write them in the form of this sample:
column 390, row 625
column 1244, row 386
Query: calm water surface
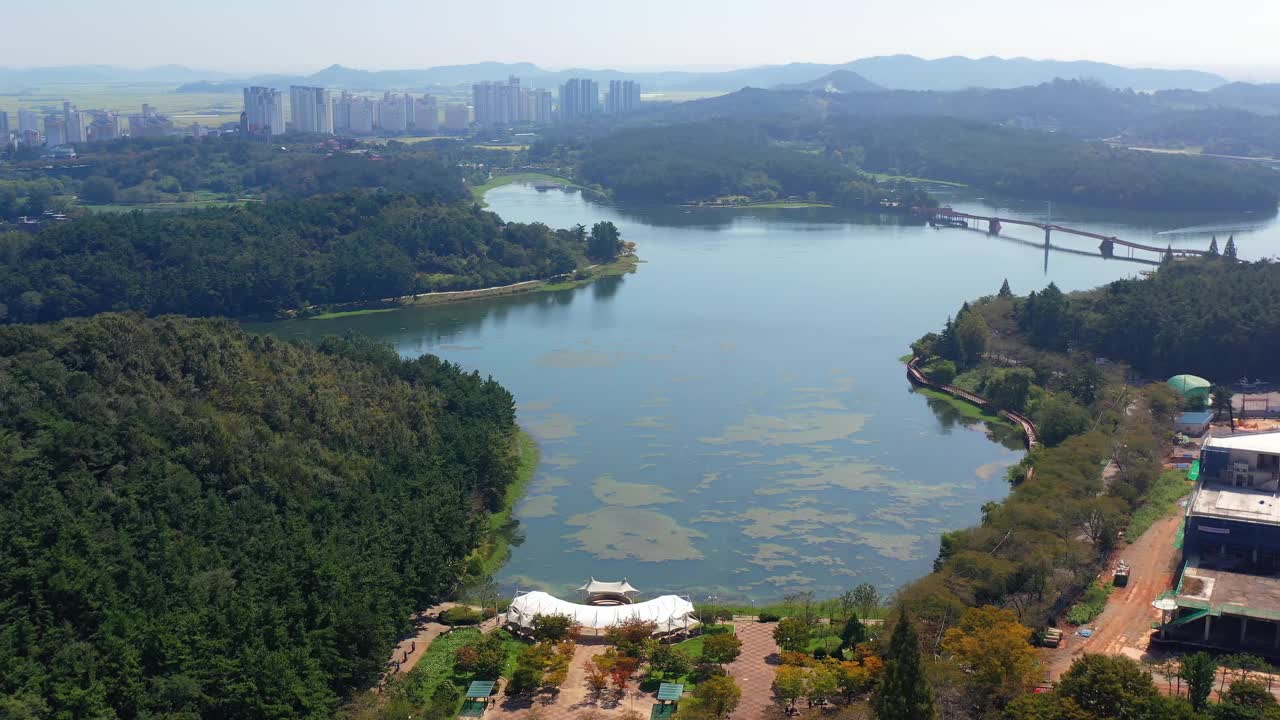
column 733, row 420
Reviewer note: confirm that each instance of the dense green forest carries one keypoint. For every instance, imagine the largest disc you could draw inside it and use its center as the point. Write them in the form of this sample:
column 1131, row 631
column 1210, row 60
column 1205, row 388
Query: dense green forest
column 271, row 258
column 151, row 170
column 1034, row 164
column 198, row 522
column 1211, row 317
column 704, row 161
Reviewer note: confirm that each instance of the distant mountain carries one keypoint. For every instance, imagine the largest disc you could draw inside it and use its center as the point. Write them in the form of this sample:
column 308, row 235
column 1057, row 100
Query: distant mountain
column 907, row 72
column 105, row 74
column 901, row 72
column 1263, row 98
column 836, row 81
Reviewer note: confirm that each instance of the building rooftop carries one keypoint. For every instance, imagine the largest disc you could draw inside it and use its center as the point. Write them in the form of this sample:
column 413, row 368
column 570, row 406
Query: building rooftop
column 1225, row 501
column 1233, row 593
column 1263, row 442
column 1195, row 418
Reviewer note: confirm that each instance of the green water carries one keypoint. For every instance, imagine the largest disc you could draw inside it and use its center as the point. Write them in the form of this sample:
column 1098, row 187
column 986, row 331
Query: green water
column 733, row 421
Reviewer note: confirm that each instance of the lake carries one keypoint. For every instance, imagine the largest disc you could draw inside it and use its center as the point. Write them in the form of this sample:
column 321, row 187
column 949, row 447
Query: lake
column 733, row 421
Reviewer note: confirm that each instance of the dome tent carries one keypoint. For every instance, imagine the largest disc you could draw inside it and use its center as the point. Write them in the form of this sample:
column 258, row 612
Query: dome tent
column 1190, row 387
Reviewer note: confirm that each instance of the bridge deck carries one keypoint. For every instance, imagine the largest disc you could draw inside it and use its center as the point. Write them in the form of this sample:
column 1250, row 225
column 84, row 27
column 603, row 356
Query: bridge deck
column 949, row 213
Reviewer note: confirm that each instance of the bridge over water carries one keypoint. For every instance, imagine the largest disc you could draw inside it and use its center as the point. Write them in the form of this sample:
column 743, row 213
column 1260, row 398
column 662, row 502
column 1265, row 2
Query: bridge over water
column 994, row 225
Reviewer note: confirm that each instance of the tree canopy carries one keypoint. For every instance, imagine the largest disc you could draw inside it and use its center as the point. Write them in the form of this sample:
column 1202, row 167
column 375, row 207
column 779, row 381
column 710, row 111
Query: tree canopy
column 272, row 258
column 196, row 521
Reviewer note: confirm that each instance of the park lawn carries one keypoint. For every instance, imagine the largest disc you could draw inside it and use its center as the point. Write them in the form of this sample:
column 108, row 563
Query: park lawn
column 436, row 665
column 478, row 191
column 883, row 177
column 693, row 645
column 830, row 642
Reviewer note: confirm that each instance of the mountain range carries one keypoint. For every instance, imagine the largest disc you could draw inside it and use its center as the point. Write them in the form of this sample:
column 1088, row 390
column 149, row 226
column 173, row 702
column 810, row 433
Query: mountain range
column 899, row 72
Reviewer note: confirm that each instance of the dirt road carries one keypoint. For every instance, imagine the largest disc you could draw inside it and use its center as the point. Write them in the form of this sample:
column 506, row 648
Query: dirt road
column 1124, row 628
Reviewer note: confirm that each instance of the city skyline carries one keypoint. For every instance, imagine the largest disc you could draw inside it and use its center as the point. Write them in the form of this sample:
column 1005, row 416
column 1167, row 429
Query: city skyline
column 664, row 34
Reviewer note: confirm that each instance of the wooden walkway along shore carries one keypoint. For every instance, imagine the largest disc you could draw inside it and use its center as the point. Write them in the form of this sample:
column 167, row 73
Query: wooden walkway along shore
column 1029, row 432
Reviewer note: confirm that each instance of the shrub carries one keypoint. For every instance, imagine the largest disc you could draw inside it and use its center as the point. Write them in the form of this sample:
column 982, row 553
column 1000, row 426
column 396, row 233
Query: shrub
column 460, row 616
column 768, row 617
column 820, row 653
column 1091, row 605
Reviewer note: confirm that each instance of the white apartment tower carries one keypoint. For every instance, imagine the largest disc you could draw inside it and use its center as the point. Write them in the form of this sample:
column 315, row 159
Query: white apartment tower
column 311, row 109
column 264, row 111
column 426, row 114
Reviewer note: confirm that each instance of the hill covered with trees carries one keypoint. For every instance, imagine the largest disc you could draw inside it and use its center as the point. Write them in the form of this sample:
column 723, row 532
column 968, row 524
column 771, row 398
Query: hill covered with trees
column 1027, row 163
column 268, row 259
column 199, row 522
column 1211, row 317
column 703, row 161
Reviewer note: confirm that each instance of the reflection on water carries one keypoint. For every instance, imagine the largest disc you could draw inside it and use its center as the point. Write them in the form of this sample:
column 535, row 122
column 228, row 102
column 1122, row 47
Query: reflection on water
column 732, row 419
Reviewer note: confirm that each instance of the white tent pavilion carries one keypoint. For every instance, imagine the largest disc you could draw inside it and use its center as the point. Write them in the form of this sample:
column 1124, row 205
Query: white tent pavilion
column 599, row 586
column 669, row 612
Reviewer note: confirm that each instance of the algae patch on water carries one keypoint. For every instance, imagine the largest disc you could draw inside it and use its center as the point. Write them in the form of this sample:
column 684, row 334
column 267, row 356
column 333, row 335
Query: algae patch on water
column 625, row 494
column 791, row 429
column 626, row 533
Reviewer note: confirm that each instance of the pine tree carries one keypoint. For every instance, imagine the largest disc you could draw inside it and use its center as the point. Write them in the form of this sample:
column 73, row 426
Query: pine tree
column 1213, row 247
column 1229, row 251
column 1004, row 288
column 1168, row 256
column 904, row 692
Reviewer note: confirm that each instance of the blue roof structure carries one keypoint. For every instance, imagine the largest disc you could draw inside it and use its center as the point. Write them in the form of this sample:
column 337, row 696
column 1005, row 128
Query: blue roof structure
column 1195, row 418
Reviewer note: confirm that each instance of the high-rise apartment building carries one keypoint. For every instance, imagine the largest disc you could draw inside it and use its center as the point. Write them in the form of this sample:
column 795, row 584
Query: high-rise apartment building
column 28, row 121
column 310, row 110
column 497, row 104
column 105, row 125
column 539, row 106
column 457, row 117
column 623, row 97
column 426, row 114
column 149, row 123
column 354, row 114
column 264, row 111
column 4, row 125
column 579, row 97
column 393, row 116
column 55, row 131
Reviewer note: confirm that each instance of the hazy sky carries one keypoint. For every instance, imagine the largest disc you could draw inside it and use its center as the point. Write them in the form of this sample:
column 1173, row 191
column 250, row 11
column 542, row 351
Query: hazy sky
column 305, row 35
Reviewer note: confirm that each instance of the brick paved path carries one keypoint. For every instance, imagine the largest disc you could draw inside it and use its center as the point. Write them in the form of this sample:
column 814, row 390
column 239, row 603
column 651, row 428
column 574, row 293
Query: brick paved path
column 755, row 668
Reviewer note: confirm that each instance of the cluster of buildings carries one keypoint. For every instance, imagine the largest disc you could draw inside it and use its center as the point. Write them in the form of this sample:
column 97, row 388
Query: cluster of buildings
column 494, row 104
column 319, row 110
column 73, row 126
column 500, row 104
column 1228, row 593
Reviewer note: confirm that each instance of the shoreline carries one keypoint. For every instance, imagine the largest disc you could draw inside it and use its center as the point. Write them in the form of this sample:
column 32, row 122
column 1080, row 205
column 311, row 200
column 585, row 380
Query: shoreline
column 622, row 266
column 494, row 549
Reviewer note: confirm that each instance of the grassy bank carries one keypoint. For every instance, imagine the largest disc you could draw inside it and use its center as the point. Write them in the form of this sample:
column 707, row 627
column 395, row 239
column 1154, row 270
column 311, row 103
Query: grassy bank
column 478, row 191
column 966, row 409
column 351, row 313
column 1162, row 498
column 495, row 549
column 621, row 266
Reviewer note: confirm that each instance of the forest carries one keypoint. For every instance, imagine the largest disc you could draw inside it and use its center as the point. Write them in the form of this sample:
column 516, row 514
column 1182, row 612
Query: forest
column 199, row 522
column 1212, row 317
column 1026, row 163
column 169, row 170
column 705, row 161
column 271, row 259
